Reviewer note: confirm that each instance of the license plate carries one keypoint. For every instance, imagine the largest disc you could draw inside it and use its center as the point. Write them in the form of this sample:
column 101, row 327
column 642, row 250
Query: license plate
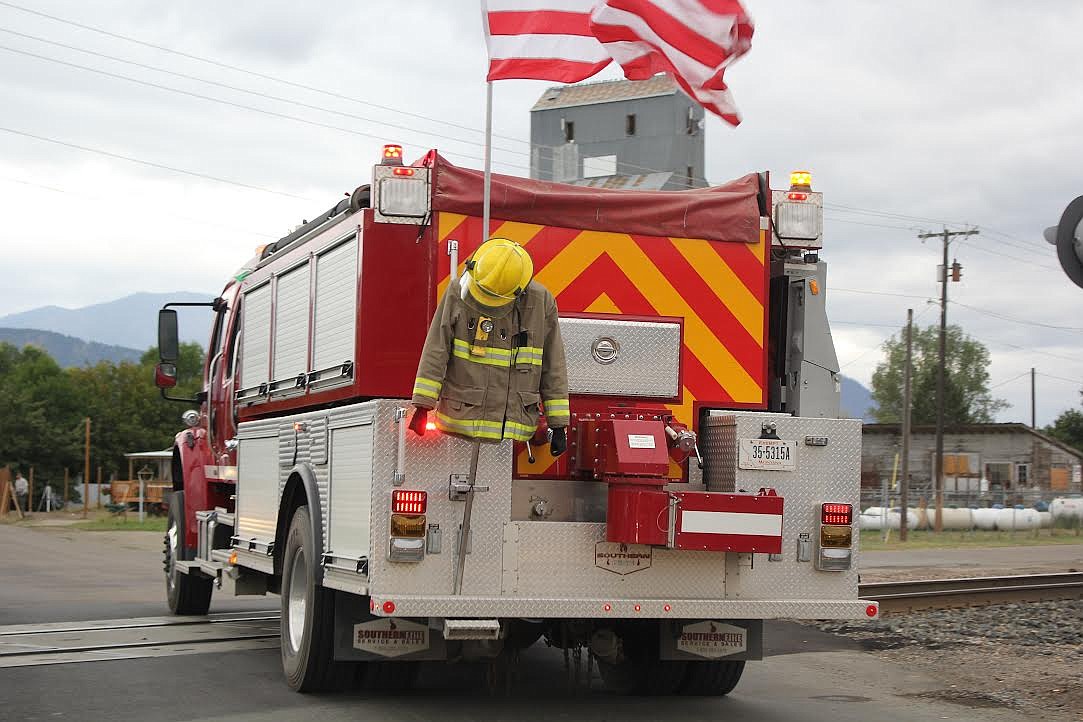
column 767, row 454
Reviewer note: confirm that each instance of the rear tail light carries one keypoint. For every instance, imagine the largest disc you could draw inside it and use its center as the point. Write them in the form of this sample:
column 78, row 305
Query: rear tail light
column 836, row 537
column 409, row 502
column 836, row 513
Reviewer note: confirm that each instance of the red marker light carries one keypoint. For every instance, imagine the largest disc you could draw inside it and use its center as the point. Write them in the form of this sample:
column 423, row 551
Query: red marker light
column 871, row 610
column 607, row 607
column 430, row 426
column 667, row 608
column 389, row 607
column 409, row 502
column 797, row 196
column 403, row 171
column 636, row 607
column 372, row 604
column 842, row 514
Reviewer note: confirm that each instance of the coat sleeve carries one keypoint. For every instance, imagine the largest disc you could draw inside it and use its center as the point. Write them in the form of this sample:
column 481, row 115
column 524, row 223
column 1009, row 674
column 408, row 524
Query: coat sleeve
column 434, row 356
column 554, row 380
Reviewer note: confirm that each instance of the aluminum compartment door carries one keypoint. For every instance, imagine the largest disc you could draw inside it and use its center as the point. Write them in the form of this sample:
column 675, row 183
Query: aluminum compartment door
column 609, row 357
column 291, row 328
column 336, row 309
column 351, row 490
column 257, row 488
column 255, row 340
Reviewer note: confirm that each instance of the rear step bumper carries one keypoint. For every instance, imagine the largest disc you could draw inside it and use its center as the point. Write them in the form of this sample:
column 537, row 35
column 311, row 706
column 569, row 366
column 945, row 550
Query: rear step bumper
column 503, row 607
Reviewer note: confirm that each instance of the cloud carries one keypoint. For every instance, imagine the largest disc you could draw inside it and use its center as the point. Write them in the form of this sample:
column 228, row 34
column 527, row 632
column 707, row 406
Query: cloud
column 908, row 114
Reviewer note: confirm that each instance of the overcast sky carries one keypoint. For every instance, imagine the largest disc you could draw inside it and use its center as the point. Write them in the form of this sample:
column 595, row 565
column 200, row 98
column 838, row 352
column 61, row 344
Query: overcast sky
column 909, row 115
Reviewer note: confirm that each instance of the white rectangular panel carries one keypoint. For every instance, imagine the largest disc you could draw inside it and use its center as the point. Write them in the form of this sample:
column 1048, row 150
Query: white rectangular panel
column 731, row 522
column 257, row 487
column 256, row 337
column 291, row 325
column 351, row 490
column 336, row 306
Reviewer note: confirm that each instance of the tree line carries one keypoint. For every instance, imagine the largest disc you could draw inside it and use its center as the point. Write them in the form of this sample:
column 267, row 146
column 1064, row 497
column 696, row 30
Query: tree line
column 967, row 396
column 43, row 407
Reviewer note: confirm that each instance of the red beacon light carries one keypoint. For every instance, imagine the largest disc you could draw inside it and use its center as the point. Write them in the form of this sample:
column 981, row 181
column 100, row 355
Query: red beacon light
column 392, row 155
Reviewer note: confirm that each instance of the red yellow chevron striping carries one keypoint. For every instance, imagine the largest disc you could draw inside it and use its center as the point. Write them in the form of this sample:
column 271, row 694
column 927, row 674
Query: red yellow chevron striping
column 718, row 288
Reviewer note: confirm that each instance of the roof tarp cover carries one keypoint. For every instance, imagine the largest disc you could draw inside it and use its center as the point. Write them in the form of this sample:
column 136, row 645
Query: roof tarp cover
column 729, row 212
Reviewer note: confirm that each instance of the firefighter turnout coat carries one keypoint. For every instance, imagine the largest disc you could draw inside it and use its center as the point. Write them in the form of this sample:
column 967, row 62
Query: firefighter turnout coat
column 488, row 376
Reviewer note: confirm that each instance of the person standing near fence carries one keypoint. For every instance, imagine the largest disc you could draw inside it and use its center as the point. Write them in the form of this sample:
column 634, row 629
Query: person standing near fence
column 22, row 488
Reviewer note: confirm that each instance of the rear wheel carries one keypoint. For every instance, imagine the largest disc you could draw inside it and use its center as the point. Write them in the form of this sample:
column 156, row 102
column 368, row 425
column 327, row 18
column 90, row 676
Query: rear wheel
column 308, row 618
column 186, row 593
column 716, row 678
column 639, row 669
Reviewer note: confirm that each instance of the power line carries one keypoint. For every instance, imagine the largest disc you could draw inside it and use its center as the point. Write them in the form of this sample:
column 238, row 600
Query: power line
column 101, row 199
column 878, row 293
column 247, row 91
column 1005, row 383
column 1061, row 378
column 221, row 101
column 151, row 164
column 246, row 71
column 1025, row 322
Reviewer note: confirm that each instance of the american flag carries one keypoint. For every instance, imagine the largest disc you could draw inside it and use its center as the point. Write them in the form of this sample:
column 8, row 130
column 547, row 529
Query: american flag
column 694, row 41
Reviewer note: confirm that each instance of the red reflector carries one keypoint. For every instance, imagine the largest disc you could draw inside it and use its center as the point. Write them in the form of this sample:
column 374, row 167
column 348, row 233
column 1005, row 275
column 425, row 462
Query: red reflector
column 403, row 171
column 666, row 608
column 607, row 607
column 797, row 196
column 636, row 607
column 871, row 610
column 389, row 607
column 408, row 502
column 836, row 513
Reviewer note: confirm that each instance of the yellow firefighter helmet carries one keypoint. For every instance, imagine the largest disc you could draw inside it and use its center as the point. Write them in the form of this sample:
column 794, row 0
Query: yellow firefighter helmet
column 497, row 273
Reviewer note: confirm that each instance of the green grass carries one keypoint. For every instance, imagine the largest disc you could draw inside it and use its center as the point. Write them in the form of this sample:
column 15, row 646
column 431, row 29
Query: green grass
column 116, row 523
column 873, row 540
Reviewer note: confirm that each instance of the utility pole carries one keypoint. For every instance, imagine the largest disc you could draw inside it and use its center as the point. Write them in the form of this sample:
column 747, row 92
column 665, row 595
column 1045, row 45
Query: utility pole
column 946, row 235
column 1033, row 406
column 86, row 468
column 904, row 486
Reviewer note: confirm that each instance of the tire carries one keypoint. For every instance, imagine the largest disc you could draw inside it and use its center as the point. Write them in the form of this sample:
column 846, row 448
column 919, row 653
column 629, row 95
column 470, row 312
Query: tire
column 715, row 679
column 641, row 672
column 308, row 618
column 186, row 593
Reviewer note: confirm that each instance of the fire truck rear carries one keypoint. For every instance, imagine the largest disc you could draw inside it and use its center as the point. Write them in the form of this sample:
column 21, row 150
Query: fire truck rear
column 708, row 484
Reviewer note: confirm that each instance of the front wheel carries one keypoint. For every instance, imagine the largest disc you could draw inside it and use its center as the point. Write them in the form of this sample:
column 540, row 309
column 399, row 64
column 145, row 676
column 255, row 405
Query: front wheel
column 186, row 593
column 308, row 618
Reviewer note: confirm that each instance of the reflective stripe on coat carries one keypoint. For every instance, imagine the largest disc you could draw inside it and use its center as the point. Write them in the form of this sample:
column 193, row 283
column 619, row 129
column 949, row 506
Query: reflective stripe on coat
column 493, row 389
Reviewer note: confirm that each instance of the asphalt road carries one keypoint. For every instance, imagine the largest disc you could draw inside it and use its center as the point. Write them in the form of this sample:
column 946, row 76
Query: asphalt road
column 56, row 575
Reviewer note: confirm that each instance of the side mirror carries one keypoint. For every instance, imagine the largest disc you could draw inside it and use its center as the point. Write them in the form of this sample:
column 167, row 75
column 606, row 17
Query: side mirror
column 168, row 341
column 165, row 375
column 1068, row 238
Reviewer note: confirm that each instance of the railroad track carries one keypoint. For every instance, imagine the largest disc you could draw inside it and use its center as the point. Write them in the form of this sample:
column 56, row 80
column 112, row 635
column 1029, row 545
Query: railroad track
column 27, row 645
column 909, row 596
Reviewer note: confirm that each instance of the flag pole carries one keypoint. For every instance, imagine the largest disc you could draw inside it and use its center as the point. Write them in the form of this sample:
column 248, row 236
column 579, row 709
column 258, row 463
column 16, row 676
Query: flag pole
column 488, row 160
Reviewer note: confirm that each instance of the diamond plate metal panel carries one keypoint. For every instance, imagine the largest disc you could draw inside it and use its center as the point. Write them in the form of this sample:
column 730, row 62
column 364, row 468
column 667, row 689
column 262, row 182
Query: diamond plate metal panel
column 256, row 337
column 549, row 607
column 827, row 473
column 336, row 302
column 647, row 362
column 557, row 559
column 291, row 326
column 429, row 462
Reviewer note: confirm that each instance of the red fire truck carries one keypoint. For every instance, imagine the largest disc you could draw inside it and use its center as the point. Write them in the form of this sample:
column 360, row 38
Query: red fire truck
column 708, row 485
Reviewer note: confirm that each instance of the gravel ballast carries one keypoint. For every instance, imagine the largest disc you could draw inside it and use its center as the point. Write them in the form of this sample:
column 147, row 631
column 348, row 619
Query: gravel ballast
column 1026, row 656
